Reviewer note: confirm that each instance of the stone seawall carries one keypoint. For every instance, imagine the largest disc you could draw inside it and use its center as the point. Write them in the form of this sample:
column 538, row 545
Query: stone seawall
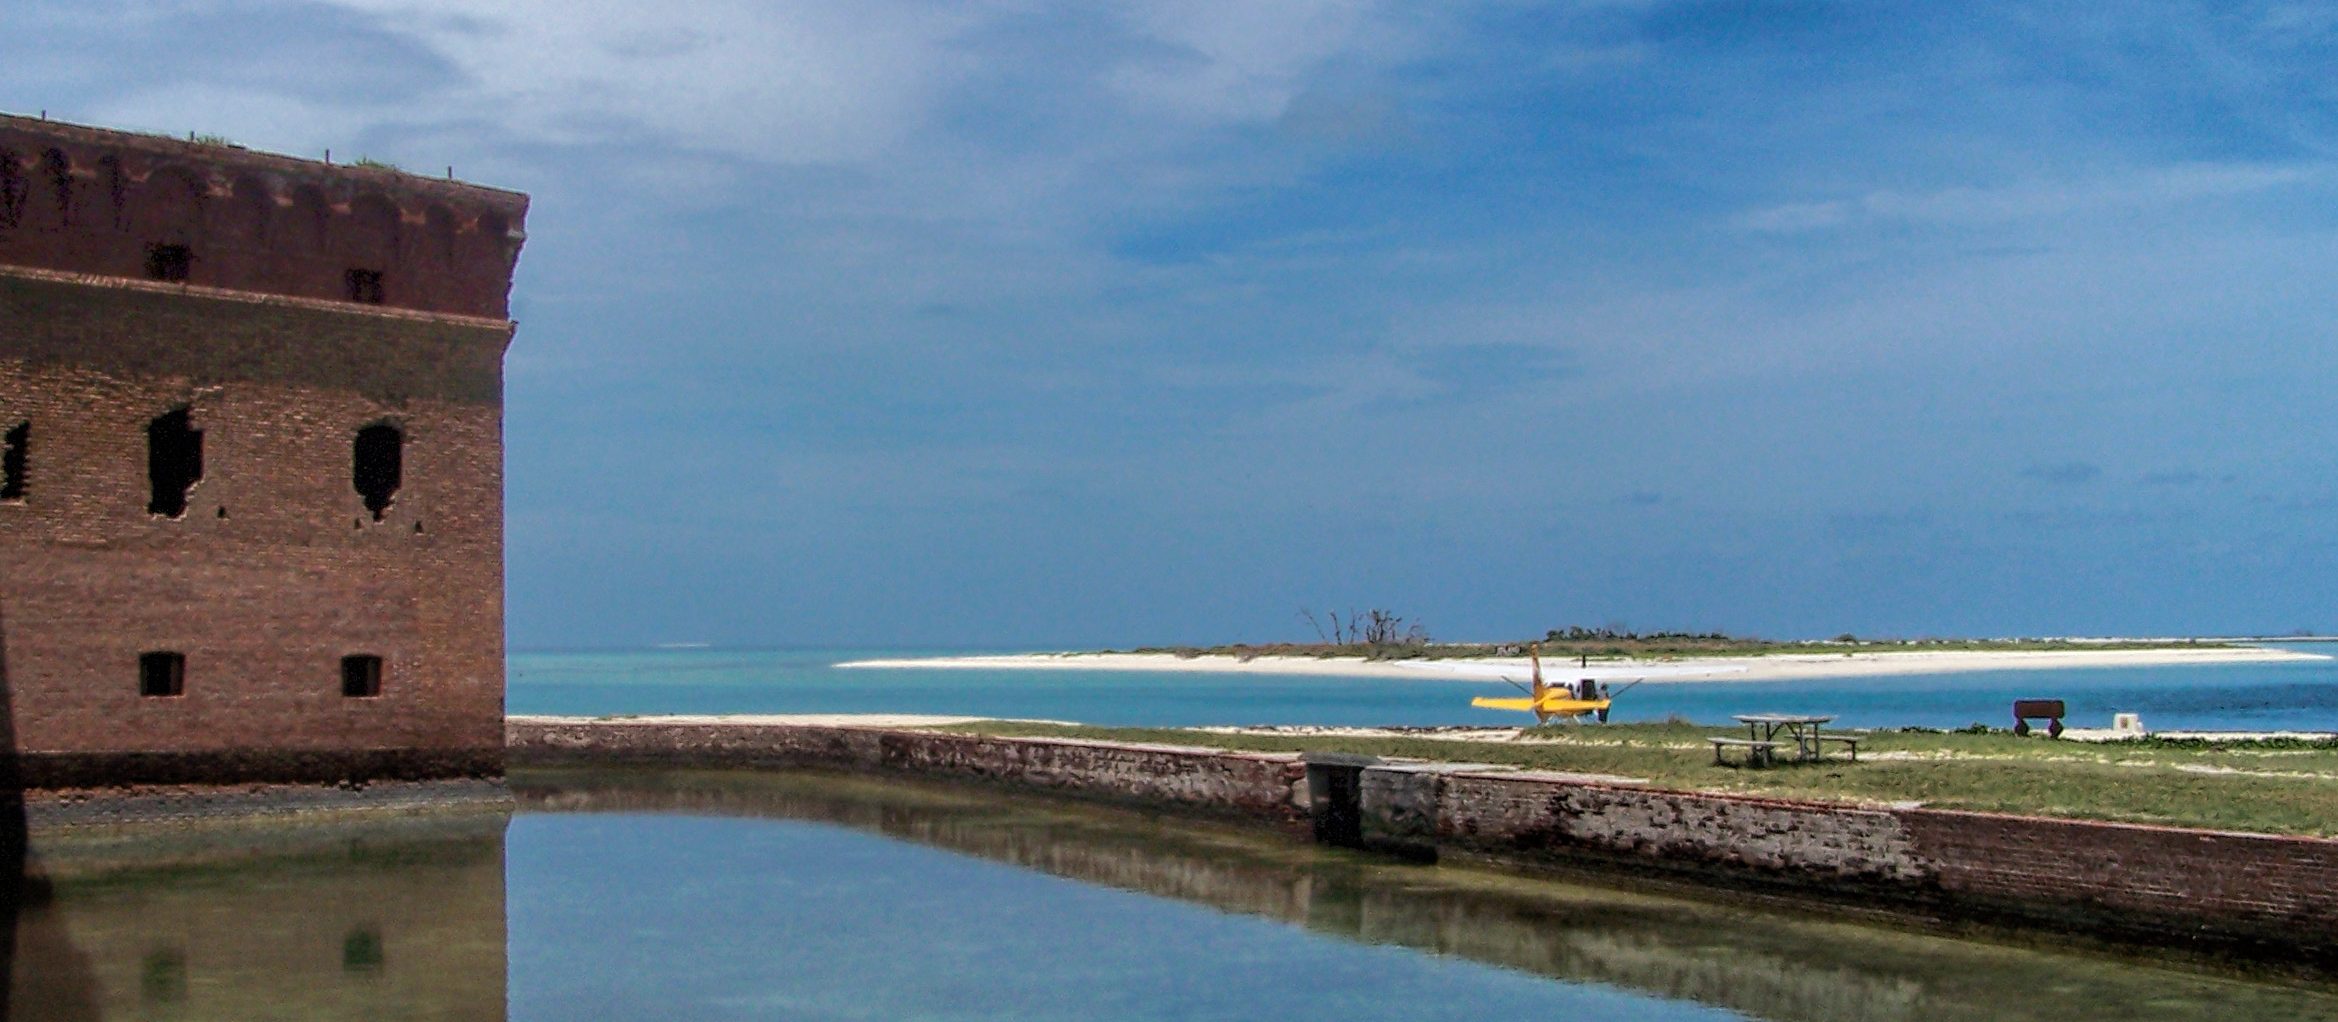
column 2258, row 896
column 1262, row 787
column 2265, row 898
column 56, row 814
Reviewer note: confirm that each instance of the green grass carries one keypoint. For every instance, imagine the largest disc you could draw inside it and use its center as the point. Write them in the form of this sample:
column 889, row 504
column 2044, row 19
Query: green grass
column 2275, row 787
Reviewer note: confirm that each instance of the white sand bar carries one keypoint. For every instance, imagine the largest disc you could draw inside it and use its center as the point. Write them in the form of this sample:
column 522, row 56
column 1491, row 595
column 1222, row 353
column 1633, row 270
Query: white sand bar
column 1748, row 668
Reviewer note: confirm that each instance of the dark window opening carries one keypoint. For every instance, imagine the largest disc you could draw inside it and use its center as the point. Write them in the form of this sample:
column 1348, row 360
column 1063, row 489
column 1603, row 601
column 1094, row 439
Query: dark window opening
column 162, row 675
column 361, row 676
column 174, row 462
column 361, row 950
column 365, row 286
column 377, row 466
column 12, row 189
column 13, row 457
column 117, row 186
column 169, row 262
column 60, row 172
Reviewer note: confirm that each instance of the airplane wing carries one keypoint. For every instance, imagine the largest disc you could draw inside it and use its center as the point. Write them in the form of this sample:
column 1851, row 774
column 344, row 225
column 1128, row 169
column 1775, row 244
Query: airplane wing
column 1553, row 703
column 1490, row 703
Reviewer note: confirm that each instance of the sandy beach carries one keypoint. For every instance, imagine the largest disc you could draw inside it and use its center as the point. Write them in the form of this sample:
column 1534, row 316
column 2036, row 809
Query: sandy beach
column 1754, row 668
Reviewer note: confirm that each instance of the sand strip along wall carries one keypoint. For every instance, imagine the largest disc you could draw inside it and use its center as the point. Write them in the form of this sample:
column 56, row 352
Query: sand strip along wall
column 2265, row 898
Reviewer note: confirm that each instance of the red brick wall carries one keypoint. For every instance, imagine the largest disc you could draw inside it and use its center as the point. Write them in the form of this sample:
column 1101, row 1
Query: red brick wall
column 2280, row 890
column 87, row 200
column 2268, row 896
column 276, row 571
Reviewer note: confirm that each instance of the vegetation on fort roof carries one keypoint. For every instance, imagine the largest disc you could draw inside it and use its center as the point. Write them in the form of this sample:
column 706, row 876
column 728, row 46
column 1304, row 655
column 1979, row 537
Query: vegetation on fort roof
column 1381, row 635
column 197, row 138
column 370, row 163
column 2279, row 787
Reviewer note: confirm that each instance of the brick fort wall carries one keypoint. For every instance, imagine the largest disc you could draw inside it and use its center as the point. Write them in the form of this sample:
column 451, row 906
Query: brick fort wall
column 277, row 567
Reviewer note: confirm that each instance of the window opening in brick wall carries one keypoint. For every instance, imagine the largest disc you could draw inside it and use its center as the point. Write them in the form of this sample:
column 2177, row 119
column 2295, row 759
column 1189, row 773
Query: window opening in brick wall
column 361, row 676
column 169, row 262
column 12, row 189
column 365, row 286
column 162, row 675
column 174, row 461
column 60, row 171
column 109, row 166
column 14, row 454
column 361, row 950
column 377, row 465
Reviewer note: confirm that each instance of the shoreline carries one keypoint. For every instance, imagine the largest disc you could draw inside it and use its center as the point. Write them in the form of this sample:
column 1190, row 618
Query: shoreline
column 1773, row 667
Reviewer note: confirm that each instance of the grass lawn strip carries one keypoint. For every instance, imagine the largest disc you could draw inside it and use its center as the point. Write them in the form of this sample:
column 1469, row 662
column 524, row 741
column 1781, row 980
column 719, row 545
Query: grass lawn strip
column 2279, row 787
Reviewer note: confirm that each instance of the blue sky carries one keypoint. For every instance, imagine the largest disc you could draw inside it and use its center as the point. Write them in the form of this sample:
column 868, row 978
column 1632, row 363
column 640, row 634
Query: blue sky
column 1027, row 323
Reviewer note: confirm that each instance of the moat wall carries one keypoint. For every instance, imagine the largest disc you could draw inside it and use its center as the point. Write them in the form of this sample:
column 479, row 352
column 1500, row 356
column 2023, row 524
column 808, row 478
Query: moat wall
column 2265, row 898
column 1260, row 787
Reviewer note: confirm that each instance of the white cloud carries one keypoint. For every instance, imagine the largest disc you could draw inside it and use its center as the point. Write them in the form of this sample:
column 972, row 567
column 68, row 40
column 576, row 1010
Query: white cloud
column 2032, row 200
column 793, row 83
column 828, row 82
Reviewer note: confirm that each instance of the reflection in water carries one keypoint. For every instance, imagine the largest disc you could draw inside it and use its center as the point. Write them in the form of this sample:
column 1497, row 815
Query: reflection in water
column 55, row 977
column 1753, row 961
column 709, row 909
column 364, row 919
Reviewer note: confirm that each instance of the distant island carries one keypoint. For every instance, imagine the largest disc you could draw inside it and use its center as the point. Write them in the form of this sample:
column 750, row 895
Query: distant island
column 1377, row 651
column 1576, row 643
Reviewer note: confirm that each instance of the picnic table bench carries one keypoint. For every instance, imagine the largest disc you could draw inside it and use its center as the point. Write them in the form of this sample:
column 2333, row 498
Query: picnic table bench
column 1800, row 729
column 1850, row 741
column 1757, row 752
column 1765, row 732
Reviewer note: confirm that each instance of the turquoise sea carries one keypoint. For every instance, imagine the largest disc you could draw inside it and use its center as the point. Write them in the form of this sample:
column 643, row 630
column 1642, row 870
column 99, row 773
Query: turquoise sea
column 2296, row 695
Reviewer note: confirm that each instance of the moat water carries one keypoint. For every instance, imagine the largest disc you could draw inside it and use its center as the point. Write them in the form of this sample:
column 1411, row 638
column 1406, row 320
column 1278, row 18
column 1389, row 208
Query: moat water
column 619, row 895
column 2290, row 695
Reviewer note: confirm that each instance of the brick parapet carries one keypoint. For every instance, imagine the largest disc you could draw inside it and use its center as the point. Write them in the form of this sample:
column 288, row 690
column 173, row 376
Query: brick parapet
column 95, row 201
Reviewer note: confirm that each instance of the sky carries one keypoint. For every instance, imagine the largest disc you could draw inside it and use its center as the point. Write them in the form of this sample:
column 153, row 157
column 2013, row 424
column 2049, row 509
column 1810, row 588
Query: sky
column 1033, row 324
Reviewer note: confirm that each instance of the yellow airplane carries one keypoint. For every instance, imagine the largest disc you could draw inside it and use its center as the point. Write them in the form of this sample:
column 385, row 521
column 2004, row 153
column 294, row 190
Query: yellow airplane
column 1574, row 702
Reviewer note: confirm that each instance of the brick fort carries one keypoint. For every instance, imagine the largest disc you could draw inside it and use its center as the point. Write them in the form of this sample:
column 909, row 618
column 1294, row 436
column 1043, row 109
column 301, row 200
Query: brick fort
column 251, row 488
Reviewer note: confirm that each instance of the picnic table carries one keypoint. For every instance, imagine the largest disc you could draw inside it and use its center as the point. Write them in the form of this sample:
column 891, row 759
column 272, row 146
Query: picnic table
column 1802, row 730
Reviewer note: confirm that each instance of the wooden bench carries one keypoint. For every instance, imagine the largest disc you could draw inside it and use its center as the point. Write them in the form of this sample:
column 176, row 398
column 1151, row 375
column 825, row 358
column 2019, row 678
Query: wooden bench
column 1850, row 740
column 1757, row 753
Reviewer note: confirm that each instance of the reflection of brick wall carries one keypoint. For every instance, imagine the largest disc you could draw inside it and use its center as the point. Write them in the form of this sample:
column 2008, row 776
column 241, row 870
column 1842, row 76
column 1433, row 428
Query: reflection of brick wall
column 277, row 569
column 87, row 200
column 355, row 918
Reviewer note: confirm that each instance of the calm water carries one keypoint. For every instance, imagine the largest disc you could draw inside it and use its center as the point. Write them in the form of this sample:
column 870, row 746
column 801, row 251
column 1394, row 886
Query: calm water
column 2280, row 696
column 707, row 896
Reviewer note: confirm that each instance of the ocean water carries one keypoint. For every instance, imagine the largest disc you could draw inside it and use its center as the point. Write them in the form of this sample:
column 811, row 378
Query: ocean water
column 619, row 896
column 2296, row 695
